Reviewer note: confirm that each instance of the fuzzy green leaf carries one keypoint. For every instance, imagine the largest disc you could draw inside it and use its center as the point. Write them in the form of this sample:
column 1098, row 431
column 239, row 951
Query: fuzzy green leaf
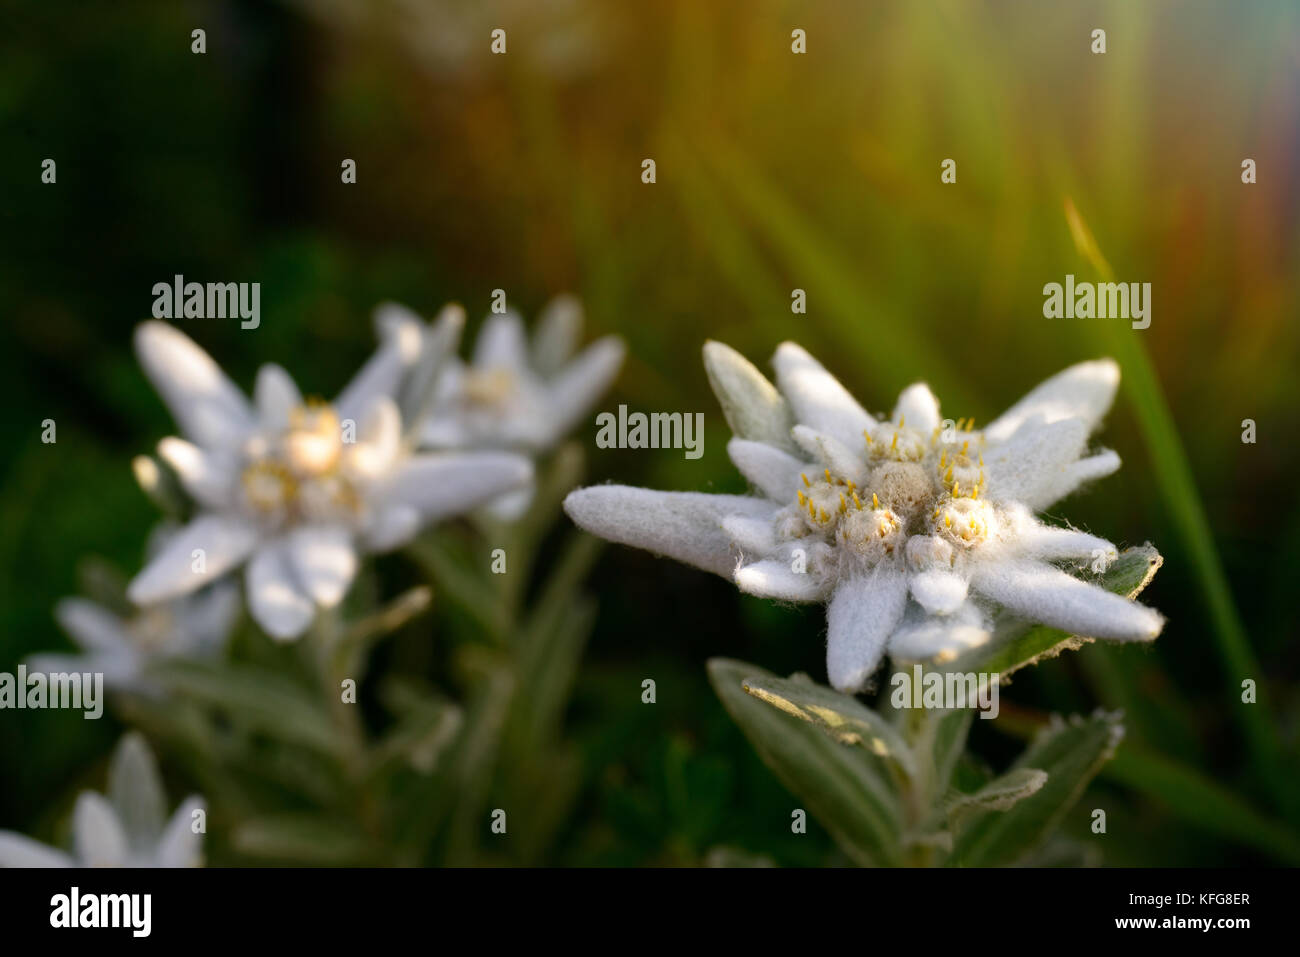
column 843, row 718
column 1070, row 753
column 847, row 789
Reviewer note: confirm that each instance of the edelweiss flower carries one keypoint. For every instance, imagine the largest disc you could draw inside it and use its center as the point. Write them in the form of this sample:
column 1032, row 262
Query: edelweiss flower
column 912, row 529
column 129, row 829
column 192, row 626
column 298, row 487
column 513, row 396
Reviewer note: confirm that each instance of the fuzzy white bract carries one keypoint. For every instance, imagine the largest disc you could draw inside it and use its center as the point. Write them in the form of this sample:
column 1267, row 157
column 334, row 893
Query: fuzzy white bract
column 128, row 828
column 913, row 529
column 299, row 488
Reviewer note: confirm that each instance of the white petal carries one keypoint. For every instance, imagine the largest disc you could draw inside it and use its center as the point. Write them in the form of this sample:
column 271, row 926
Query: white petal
column 206, row 476
column 863, row 613
column 1032, row 539
column 772, row 578
column 1046, row 594
column 582, row 382
column 203, row 401
column 753, row 407
column 501, row 344
column 401, row 340
column 16, row 850
column 392, row 527
column 119, row 668
column 559, row 326
column 1084, row 391
column 179, row 845
column 832, row 454
column 136, row 792
column 686, row 526
column 452, row 483
column 752, row 535
column 379, row 439
column 276, row 395
column 97, row 834
column 324, row 562
column 771, row 471
column 420, row 391
column 940, row 637
column 277, row 601
column 817, row 397
column 938, row 591
column 1076, row 474
column 511, row 506
column 92, row 626
column 1032, row 463
column 918, row 408
column 225, row 543
column 208, row 615
column 445, row 432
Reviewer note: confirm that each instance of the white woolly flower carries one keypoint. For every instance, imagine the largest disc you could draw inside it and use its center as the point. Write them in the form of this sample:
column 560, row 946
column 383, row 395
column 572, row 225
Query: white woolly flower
column 299, row 488
column 190, row 627
column 517, row 395
column 913, row 530
column 514, row 395
column 129, row 828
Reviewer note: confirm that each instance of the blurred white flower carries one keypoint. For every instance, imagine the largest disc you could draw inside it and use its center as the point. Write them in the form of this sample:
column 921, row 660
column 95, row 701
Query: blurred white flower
column 128, row 829
column 192, row 626
column 913, row 530
column 298, row 488
column 517, row 395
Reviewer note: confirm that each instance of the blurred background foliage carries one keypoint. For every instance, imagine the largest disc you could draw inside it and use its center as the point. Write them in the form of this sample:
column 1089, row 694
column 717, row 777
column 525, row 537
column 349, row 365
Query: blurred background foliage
column 775, row 171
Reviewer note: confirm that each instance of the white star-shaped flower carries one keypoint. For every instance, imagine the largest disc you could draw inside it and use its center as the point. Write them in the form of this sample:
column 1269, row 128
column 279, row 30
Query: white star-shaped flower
column 914, row 530
column 193, row 626
column 299, row 488
column 129, row 828
column 521, row 396
column 517, row 395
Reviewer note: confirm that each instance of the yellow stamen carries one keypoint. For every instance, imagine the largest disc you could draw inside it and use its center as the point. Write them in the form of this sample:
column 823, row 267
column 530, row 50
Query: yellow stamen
column 866, row 435
column 894, row 444
column 857, row 501
column 807, row 484
column 828, row 476
column 902, row 420
column 875, row 502
column 956, row 490
column 799, row 493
